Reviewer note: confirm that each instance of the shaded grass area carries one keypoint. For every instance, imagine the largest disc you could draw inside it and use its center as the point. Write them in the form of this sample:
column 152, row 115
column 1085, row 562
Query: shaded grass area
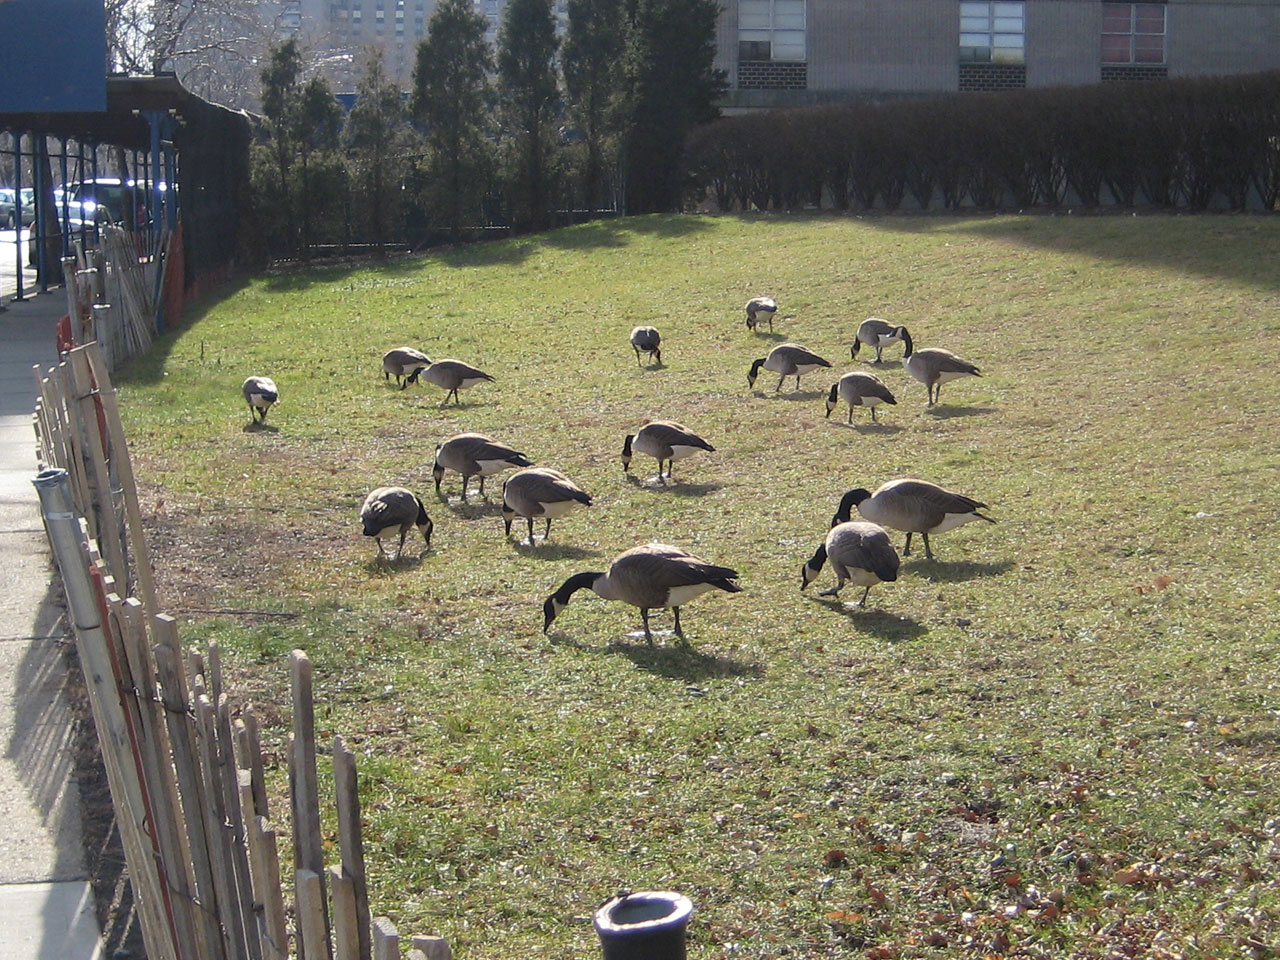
column 1059, row 738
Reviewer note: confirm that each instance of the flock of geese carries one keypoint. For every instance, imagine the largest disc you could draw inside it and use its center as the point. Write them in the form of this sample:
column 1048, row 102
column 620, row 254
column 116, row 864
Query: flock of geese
column 657, row 575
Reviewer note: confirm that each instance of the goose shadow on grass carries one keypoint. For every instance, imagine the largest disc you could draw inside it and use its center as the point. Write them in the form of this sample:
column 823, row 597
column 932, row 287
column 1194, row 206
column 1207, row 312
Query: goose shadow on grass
column 668, row 657
column 870, row 426
column 674, row 487
column 941, row 411
column 872, row 620
column 882, row 365
column 471, row 509
column 792, row 395
column 379, row 566
column 769, row 335
column 942, row 572
column 259, row 426
column 542, row 550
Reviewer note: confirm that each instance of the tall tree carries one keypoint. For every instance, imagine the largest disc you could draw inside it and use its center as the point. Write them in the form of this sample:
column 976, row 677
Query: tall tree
column 450, row 93
column 530, row 95
column 279, row 92
column 377, row 133
column 592, row 59
column 672, row 87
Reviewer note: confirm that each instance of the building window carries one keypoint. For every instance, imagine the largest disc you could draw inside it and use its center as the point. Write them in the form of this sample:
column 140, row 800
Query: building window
column 994, row 32
column 1133, row 32
column 771, row 30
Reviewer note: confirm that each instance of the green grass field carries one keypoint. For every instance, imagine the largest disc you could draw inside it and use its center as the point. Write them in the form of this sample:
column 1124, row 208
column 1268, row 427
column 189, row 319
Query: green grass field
column 1061, row 738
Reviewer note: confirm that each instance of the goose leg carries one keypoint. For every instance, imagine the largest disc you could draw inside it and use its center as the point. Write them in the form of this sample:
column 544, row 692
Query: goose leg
column 637, row 350
column 873, row 414
column 797, row 383
column 850, row 420
column 546, row 534
column 679, row 632
column 906, row 551
column 644, row 616
column 482, row 484
column 466, row 478
column 928, row 554
column 381, row 552
column 400, row 549
column 779, row 386
column 530, row 519
column 863, row 601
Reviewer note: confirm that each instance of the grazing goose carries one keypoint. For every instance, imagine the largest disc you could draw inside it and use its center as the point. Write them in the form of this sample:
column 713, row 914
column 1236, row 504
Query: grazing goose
column 404, row 362
column 260, row 393
column 451, row 375
column 859, row 389
column 390, row 508
column 877, row 333
column 473, row 454
column 860, row 552
column 647, row 339
column 654, row 575
column 788, row 360
column 760, row 309
column 665, row 440
column 540, row 492
column 916, row 506
column 934, row 366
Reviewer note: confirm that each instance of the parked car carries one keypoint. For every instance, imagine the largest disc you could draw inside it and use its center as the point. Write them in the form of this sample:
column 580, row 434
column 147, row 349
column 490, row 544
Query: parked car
column 9, row 214
column 103, row 200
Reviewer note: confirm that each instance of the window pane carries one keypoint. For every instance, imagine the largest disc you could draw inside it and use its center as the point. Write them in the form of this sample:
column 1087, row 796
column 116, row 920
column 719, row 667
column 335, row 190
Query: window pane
column 1115, row 50
column 1008, row 24
column 753, row 35
column 1148, row 49
column 1008, row 40
column 1008, row 10
column 753, row 50
column 975, row 10
column 1154, row 24
column 1116, row 18
column 788, row 51
column 975, row 40
column 975, row 54
column 789, row 7
column 753, row 22
column 975, row 23
column 789, row 21
column 1007, row 55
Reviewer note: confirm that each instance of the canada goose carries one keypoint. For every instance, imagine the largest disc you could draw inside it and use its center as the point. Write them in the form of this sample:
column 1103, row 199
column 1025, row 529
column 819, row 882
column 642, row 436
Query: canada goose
column 389, row 508
column 877, row 333
column 934, row 366
column 788, row 360
column 916, row 506
column 665, row 440
column 472, row 454
column 859, row 389
column 404, row 362
column 452, row 375
column 260, row 393
column 860, row 552
column 540, row 492
column 647, row 339
column 653, row 575
column 760, row 309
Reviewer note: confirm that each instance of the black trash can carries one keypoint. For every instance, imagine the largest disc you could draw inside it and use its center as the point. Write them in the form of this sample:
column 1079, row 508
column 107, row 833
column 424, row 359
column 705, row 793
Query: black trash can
column 649, row 925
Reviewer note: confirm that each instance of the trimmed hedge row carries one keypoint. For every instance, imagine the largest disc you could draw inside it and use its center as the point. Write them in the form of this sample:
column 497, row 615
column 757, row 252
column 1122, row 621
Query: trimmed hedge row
column 1189, row 143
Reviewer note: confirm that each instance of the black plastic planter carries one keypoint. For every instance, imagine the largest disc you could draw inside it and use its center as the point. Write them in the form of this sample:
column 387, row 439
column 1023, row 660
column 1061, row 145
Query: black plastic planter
column 649, row 925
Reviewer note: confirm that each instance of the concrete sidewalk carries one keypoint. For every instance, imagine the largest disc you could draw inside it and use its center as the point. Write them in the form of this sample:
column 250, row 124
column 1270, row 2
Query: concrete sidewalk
column 45, row 898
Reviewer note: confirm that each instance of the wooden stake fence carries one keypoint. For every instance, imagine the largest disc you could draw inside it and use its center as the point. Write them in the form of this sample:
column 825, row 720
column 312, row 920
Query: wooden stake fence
column 184, row 763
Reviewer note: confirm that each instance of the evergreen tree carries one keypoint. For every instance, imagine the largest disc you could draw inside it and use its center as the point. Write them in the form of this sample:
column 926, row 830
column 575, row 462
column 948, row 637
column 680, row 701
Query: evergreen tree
column 450, row 93
column 593, row 78
column 377, row 134
column 530, row 95
column 303, row 121
column 672, row 87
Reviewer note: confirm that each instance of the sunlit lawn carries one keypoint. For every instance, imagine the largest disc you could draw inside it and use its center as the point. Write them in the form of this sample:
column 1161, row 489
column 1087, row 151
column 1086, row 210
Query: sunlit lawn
column 1058, row 739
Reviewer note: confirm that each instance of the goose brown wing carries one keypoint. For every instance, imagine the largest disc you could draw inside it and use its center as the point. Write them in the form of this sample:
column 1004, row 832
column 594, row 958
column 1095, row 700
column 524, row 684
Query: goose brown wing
column 933, row 497
column 463, row 371
column 670, row 434
column 865, row 546
column 649, row 572
column 944, row 361
column 797, row 355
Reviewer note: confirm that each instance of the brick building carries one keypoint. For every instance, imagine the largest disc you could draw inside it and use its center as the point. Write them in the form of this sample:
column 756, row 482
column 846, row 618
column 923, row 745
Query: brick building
column 789, row 52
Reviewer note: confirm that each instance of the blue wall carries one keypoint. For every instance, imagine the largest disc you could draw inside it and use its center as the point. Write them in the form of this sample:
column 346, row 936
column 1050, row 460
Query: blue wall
column 53, row 56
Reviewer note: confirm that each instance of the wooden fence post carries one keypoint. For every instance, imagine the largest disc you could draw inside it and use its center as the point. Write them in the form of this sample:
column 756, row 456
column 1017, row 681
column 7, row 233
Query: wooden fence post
column 308, row 849
column 347, row 792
